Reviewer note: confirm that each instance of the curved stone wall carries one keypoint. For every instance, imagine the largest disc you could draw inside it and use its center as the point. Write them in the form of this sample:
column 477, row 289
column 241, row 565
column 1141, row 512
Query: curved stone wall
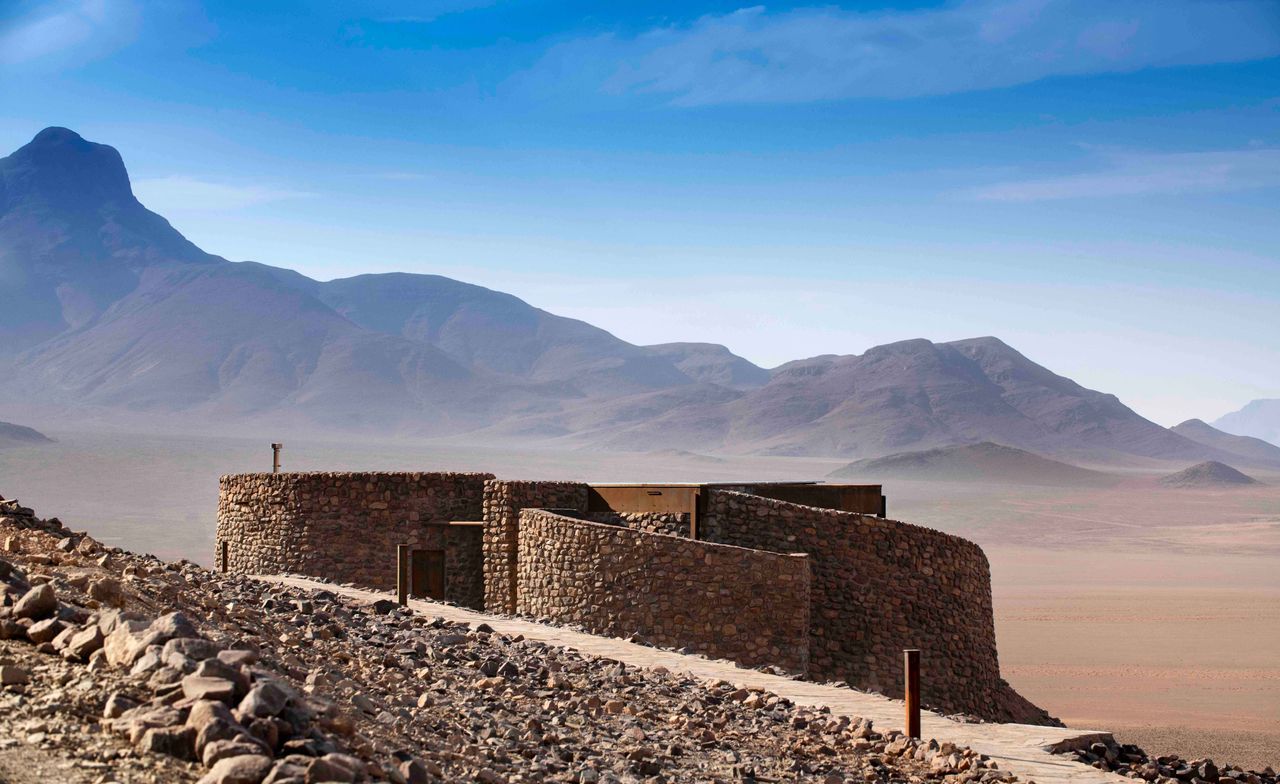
column 669, row 523
column 878, row 587
column 503, row 500
column 728, row 602
column 346, row 526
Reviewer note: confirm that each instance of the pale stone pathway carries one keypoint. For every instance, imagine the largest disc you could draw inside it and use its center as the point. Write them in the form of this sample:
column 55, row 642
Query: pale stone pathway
column 1019, row 748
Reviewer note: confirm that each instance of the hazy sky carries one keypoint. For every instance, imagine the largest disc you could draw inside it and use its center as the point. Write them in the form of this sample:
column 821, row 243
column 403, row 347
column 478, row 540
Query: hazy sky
column 1097, row 183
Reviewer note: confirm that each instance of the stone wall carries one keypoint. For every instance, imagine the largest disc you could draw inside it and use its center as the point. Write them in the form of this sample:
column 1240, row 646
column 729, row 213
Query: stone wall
column 879, row 586
column 503, row 501
column 728, row 602
column 346, row 526
column 464, row 569
column 669, row 523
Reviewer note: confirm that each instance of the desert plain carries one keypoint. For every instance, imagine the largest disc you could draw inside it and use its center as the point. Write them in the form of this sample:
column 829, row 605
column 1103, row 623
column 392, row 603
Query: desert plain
column 1149, row 611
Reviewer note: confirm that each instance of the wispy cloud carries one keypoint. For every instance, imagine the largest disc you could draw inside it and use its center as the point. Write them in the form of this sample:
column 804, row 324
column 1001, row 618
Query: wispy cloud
column 181, row 193
column 823, row 53
column 68, row 27
column 1135, row 174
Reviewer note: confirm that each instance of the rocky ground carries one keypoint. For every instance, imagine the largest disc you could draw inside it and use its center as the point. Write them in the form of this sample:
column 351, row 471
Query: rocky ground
column 1129, row 760
column 118, row 667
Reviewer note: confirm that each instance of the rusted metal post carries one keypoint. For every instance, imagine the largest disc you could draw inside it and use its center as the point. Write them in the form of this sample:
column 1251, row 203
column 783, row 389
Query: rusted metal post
column 911, row 664
column 275, row 457
column 402, row 574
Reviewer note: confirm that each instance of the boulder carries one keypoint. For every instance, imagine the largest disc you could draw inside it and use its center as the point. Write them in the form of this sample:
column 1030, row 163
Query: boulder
column 244, row 769
column 138, row 724
column 200, row 687
column 290, row 769
column 414, row 772
column 205, row 711
column 83, row 644
column 194, row 648
column 107, row 590
column 336, row 768
column 123, row 647
column 44, row 631
column 215, row 668
column 264, row 699
column 237, row 657
column 218, row 750
column 168, row 627
column 148, row 661
column 117, row 704
column 38, row 603
column 176, row 741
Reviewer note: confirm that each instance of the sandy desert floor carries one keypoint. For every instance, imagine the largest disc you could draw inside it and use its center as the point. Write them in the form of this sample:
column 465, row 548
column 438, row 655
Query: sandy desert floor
column 1151, row 612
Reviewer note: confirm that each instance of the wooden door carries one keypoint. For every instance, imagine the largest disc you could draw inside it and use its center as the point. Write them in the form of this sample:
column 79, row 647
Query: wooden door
column 428, row 574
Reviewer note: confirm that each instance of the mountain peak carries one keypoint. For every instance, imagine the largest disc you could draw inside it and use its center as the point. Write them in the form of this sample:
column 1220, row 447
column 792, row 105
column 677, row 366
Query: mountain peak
column 59, row 167
column 56, row 134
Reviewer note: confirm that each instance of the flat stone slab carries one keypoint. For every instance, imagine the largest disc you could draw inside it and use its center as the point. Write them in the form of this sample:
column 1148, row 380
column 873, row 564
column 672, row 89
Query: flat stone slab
column 1023, row 749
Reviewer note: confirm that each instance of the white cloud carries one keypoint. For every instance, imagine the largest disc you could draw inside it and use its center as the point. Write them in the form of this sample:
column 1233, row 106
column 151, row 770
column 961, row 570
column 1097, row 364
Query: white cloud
column 1134, row 174
column 190, row 194
column 84, row 28
column 824, row 53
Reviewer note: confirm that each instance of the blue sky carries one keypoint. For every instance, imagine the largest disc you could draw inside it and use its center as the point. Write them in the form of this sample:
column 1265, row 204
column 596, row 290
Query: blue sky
column 1096, row 183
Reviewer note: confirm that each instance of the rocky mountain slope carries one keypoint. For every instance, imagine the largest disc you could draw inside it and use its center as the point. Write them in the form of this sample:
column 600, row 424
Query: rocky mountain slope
column 1209, row 474
column 115, row 311
column 1259, row 418
column 19, row 435
column 118, row 667
column 984, row 462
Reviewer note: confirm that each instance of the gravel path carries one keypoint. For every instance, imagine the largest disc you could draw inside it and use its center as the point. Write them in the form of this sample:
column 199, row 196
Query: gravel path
column 1022, row 749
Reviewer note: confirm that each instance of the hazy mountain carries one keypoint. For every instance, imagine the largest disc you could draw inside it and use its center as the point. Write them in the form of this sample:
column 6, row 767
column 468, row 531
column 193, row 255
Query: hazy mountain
column 18, row 435
column 500, row 333
column 917, row 394
column 984, row 462
column 711, row 363
column 116, row 309
column 1209, row 474
column 1260, row 419
column 229, row 339
column 73, row 239
column 113, row 309
column 1254, row 449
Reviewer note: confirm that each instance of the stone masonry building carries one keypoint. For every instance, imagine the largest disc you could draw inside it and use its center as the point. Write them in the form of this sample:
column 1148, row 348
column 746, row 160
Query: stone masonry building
column 807, row 577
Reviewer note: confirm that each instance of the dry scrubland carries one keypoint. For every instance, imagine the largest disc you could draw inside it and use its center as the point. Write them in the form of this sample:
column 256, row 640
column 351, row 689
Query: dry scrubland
column 1151, row 611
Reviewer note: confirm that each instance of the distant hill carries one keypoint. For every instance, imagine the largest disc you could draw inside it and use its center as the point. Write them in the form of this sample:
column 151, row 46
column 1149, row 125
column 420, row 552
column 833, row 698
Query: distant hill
column 1208, row 474
column 1254, row 449
column 1260, row 419
column 18, row 435
column 905, row 396
column 984, row 462
column 110, row 310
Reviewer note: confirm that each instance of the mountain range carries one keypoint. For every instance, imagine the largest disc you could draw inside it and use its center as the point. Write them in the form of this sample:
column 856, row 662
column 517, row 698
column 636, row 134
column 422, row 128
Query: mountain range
column 1258, row 418
column 111, row 312
column 982, row 462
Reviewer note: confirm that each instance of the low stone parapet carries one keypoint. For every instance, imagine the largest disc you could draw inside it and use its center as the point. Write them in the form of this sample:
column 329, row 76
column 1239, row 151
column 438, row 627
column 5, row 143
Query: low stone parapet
column 748, row 606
